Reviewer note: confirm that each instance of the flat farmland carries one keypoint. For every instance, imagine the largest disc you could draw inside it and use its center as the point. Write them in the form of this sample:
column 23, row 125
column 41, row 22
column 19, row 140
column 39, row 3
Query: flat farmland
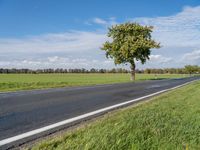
column 15, row 82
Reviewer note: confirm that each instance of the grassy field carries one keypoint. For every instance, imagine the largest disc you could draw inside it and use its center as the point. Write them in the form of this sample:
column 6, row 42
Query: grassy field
column 168, row 122
column 12, row 82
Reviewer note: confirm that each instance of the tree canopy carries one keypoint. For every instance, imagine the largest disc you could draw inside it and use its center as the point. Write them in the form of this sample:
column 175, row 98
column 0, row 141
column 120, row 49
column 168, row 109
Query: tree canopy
column 130, row 42
column 192, row 69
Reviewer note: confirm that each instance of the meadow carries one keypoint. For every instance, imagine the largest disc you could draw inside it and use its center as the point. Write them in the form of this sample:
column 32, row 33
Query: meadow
column 14, row 82
column 169, row 121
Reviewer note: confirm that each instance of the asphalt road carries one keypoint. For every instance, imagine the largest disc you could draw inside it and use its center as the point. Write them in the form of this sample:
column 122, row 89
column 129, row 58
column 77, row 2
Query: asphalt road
column 28, row 110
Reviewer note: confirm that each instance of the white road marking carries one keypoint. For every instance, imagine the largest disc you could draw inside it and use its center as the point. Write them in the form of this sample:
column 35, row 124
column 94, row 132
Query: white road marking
column 64, row 122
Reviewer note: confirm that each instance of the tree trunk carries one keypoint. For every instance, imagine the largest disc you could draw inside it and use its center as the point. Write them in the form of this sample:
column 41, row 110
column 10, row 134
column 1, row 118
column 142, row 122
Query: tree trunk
column 133, row 72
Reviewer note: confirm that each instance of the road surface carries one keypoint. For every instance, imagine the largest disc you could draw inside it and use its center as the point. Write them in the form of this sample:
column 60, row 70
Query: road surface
column 24, row 111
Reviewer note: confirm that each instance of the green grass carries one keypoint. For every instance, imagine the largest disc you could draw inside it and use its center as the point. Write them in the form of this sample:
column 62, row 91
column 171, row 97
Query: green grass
column 168, row 122
column 13, row 82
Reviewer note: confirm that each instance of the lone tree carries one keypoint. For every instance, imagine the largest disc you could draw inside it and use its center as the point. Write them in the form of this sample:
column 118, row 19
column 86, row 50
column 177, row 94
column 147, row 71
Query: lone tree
column 130, row 42
column 191, row 69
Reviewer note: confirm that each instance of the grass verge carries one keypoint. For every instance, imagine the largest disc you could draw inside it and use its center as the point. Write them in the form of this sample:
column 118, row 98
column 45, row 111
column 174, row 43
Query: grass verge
column 15, row 82
column 169, row 121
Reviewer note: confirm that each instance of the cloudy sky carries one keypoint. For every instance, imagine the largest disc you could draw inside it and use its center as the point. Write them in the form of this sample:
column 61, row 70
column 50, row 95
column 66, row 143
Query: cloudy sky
column 69, row 34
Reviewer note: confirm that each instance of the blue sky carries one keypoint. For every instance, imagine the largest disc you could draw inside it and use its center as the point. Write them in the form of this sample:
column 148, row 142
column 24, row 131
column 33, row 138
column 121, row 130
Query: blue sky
column 68, row 33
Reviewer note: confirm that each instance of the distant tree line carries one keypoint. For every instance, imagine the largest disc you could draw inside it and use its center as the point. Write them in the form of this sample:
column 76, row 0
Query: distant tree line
column 189, row 69
column 60, row 70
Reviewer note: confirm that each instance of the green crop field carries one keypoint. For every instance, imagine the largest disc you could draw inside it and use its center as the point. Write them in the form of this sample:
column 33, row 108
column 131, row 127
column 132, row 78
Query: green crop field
column 13, row 82
column 167, row 122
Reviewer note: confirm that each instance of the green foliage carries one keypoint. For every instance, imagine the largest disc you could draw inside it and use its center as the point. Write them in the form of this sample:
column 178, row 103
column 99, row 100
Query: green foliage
column 168, row 122
column 129, row 41
column 192, row 69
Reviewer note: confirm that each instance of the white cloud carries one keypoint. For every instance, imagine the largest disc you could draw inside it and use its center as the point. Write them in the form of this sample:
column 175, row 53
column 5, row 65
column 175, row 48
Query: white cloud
column 53, row 50
column 180, row 30
column 193, row 57
column 79, row 41
column 53, row 59
column 100, row 21
column 156, row 61
column 109, row 22
column 159, row 59
column 57, row 62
